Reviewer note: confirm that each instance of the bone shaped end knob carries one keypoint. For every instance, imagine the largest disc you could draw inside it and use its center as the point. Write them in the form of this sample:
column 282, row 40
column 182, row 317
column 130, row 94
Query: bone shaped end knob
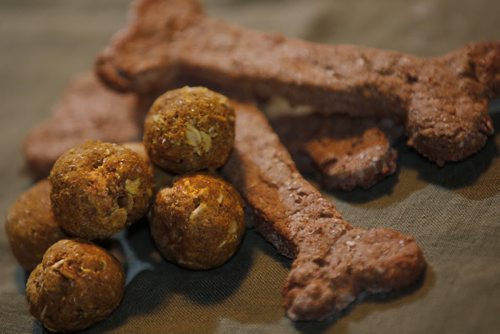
column 447, row 116
column 135, row 60
column 374, row 261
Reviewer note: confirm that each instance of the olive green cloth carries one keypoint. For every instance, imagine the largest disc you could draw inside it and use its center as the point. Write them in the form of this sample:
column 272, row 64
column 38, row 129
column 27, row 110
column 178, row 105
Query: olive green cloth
column 454, row 211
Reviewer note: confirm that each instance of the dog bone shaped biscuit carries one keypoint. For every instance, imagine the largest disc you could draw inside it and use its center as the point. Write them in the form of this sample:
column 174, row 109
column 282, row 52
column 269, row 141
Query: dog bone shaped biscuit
column 334, row 262
column 443, row 101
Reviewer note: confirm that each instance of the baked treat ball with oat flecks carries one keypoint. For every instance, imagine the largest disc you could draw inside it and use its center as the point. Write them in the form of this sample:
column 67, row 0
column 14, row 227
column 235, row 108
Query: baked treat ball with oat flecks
column 189, row 129
column 31, row 227
column 76, row 285
column 198, row 223
column 99, row 188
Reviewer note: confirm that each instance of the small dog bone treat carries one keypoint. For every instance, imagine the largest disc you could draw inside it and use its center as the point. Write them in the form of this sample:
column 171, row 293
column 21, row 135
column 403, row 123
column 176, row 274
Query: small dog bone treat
column 198, row 223
column 31, row 227
column 87, row 110
column 99, row 188
column 443, row 100
column 189, row 129
column 334, row 262
column 77, row 285
column 345, row 152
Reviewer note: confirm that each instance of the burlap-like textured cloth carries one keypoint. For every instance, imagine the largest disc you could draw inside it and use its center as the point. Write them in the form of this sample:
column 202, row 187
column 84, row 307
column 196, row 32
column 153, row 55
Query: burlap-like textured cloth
column 454, row 211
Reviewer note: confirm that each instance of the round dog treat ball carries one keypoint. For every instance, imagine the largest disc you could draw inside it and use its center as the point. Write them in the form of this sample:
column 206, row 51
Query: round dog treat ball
column 99, row 188
column 76, row 285
column 31, row 227
column 198, row 222
column 189, row 129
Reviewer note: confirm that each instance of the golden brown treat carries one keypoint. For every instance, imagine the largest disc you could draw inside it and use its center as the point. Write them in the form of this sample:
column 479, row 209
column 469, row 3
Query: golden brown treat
column 76, row 285
column 198, row 222
column 31, row 227
column 99, row 188
column 189, row 129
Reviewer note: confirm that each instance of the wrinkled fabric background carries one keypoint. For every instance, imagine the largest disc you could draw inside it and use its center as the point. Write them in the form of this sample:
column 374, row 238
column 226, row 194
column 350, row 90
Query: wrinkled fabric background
column 454, row 212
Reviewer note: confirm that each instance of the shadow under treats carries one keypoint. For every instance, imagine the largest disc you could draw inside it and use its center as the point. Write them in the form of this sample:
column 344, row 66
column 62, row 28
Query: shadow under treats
column 160, row 280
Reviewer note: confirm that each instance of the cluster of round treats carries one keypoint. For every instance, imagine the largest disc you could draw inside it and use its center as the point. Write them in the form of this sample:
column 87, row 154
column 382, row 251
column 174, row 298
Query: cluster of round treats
column 198, row 221
column 98, row 189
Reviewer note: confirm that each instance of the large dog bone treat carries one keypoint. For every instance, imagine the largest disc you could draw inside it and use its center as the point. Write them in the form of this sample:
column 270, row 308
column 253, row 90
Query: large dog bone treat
column 443, row 100
column 334, row 262
column 344, row 152
column 87, row 110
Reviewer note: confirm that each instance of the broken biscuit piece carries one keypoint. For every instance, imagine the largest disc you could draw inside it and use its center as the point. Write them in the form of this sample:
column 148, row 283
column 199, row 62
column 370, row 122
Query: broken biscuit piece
column 343, row 152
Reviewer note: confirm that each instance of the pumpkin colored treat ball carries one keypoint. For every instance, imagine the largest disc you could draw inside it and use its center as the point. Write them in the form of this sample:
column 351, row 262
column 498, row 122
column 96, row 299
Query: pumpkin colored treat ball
column 31, row 227
column 76, row 285
column 189, row 129
column 198, row 223
column 99, row 188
